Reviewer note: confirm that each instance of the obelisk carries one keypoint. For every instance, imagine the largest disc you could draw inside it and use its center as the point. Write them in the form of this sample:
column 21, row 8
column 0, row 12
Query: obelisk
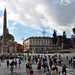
column 5, row 46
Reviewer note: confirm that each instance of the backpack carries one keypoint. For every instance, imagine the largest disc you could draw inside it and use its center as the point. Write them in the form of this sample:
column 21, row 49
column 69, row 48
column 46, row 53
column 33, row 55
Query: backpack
column 46, row 64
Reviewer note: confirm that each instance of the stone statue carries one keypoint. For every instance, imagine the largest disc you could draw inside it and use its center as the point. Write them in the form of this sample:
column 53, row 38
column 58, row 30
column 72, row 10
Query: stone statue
column 73, row 35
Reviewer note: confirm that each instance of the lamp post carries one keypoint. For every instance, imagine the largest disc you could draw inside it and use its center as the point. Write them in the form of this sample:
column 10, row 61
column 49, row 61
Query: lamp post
column 44, row 40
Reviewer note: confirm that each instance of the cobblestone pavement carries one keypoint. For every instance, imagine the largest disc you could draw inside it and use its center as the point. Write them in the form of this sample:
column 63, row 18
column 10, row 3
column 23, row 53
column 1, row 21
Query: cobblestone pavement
column 4, row 70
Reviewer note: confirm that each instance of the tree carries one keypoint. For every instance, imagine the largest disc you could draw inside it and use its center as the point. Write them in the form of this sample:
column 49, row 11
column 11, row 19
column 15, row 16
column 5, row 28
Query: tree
column 55, row 39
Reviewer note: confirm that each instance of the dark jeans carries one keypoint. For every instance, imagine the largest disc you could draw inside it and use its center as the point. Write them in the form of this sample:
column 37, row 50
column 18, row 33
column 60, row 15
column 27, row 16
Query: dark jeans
column 58, row 73
column 73, row 65
column 64, row 73
column 44, row 69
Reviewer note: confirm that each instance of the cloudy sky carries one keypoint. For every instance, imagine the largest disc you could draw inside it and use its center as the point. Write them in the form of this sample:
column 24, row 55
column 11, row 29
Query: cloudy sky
column 27, row 18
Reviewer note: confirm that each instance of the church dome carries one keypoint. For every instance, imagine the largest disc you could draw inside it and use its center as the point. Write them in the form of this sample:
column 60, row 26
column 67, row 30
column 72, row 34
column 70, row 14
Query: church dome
column 10, row 37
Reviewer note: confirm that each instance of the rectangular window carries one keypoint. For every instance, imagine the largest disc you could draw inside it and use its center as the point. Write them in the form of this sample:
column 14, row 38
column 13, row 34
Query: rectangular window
column 36, row 42
column 42, row 41
column 30, row 41
column 39, row 42
column 47, row 42
column 33, row 42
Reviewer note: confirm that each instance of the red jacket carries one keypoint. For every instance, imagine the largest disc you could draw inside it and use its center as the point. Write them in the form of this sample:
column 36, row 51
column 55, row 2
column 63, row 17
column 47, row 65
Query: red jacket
column 39, row 64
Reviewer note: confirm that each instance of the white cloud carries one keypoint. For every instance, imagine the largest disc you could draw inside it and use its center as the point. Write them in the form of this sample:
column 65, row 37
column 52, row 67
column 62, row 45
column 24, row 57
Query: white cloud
column 1, row 30
column 49, row 30
column 21, row 42
column 1, row 24
column 12, row 28
column 53, row 14
column 14, row 23
column 11, row 32
column 39, row 32
column 68, row 1
column 1, row 20
column 33, row 33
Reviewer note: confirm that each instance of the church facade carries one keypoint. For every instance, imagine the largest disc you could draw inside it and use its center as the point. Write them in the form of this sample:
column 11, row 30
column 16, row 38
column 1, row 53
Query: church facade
column 7, row 44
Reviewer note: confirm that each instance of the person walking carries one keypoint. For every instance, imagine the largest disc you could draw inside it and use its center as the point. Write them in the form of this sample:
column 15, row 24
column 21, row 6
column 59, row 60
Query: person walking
column 44, row 66
column 29, row 58
column 0, row 63
column 50, row 63
column 73, row 63
column 53, row 71
column 64, row 69
column 31, row 72
column 30, row 66
column 19, row 63
column 11, row 66
column 7, row 63
column 15, row 63
column 36, row 59
column 25, row 58
column 39, row 65
column 27, row 68
column 48, row 71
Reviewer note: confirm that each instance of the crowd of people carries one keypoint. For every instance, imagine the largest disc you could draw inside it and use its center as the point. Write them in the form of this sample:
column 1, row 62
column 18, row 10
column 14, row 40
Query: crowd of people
column 49, row 64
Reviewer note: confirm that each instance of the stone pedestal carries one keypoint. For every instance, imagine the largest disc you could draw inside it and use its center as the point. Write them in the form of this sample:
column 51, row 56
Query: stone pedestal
column 5, row 50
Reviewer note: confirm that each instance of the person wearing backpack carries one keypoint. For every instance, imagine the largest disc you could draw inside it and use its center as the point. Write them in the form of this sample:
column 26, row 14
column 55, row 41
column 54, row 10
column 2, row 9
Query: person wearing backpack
column 19, row 63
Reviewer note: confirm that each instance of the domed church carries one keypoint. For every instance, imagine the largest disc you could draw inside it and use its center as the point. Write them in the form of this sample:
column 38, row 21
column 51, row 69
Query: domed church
column 7, row 44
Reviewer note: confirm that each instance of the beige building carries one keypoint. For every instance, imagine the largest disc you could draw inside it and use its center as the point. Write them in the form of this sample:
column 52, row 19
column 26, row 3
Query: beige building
column 39, row 44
